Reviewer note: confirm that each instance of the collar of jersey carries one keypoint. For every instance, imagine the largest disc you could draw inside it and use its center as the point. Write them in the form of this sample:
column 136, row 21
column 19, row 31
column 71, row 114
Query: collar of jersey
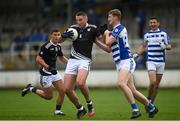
column 116, row 26
column 53, row 43
column 85, row 26
column 157, row 30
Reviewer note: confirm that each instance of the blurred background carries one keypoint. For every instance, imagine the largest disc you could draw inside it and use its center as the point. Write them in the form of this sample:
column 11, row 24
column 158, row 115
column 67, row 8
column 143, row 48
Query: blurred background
column 25, row 26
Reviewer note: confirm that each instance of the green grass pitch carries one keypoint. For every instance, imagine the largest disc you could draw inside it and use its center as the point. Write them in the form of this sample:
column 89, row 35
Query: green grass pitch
column 110, row 104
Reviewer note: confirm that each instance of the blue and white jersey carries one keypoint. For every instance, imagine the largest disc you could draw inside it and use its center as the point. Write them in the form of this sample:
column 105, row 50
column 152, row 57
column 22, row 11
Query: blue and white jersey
column 153, row 39
column 120, row 48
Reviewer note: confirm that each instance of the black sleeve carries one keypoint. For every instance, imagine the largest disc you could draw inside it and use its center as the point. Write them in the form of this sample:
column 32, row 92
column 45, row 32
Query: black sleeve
column 43, row 51
column 97, row 32
column 60, row 51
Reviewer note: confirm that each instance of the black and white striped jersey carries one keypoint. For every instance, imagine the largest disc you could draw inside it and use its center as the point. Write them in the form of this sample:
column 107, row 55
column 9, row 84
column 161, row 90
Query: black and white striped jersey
column 82, row 46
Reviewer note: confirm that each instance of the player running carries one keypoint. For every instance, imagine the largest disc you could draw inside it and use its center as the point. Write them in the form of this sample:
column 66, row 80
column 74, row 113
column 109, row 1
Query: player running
column 156, row 42
column 49, row 76
column 78, row 66
column 125, row 64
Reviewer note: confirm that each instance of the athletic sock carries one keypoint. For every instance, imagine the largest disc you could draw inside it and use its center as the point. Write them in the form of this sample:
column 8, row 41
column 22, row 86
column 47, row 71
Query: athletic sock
column 58, row 107
column 33, row 89
column 80, row 108
column 150, row 107
column 89, row 102
column 134, row 107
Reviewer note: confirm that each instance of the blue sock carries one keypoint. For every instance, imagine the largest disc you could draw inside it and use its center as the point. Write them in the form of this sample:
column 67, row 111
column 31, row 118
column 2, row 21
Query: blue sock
column 150, row 107
column 134, row 107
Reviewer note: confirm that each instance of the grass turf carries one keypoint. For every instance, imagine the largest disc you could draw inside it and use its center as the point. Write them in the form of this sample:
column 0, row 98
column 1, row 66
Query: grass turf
column 110, row 104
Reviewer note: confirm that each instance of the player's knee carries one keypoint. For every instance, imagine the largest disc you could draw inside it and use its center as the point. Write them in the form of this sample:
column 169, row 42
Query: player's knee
column 81, row 84
column 121, row 84
column 67, row 90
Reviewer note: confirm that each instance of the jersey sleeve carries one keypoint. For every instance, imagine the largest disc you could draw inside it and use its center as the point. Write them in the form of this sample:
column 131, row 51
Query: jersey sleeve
column 115, row 33
column 60, row 53
column 145, row 39
column 43, row 51
column 97, row 32
column 166, row 39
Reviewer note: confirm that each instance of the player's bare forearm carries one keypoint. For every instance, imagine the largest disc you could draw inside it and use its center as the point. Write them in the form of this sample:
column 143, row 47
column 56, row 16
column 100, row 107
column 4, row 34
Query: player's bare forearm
column 108, row 38
column 103, row 46
column 63, row 59
column 40, row 61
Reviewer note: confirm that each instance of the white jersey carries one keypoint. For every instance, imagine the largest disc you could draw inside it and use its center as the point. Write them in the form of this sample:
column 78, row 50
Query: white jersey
column 153, row 39
column 120, row 48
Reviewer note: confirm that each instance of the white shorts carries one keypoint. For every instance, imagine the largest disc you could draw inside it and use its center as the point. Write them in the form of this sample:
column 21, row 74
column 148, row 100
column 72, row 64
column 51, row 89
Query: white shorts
column 74, row 65
column 158, row 67
column 128, row 64
column 46, row 81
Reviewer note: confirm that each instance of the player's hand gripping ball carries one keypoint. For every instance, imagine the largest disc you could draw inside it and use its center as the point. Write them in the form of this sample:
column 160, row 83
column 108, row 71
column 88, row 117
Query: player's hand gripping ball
column 75, row 33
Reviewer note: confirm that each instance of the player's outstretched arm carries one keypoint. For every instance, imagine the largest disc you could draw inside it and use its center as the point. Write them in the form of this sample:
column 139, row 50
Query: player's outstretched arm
column 103, row 46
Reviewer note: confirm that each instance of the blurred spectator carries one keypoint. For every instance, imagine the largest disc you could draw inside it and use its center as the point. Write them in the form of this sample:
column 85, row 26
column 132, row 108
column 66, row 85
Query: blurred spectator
column 79, row 5
column 38, row 35
column 141, row 19
column 133, row 6
column 47, row 7
column 44, row 35
column 19, row 45
column 1, row 49
column 19, row 42
column 93, row 18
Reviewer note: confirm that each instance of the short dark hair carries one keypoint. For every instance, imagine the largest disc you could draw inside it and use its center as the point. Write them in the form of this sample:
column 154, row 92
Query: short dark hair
column 54, row 30
column 115, row 12
column 81, row 13
column 153, row 17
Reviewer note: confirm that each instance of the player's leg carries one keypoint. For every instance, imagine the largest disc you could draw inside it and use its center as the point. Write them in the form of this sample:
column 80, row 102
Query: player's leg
column 81, row 82
column 125, row 69
column 152, row 84
column 159, row 74
column 122, row 83
column 151, row 109
column 138, row 96
column 151, row 67
column 123, row 78
column 45, row 92
column 156, row 86
column 59, row 85
column 69, row 82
